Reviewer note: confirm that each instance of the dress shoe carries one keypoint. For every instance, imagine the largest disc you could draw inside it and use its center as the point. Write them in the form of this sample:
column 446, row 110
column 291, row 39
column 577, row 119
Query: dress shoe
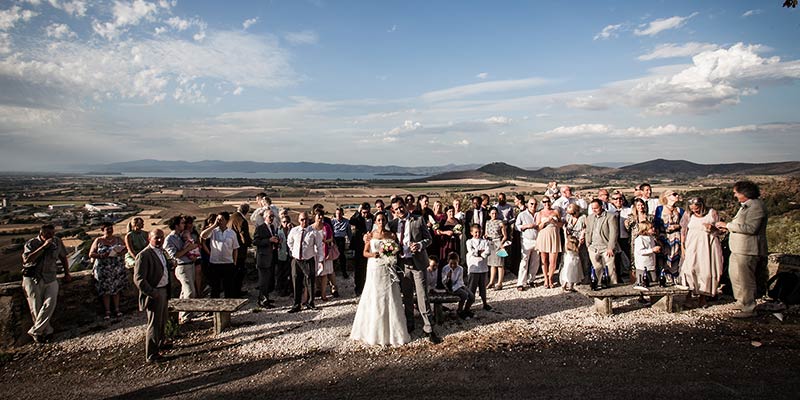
column 154, row 359
column 294, row 309
column 335, row 294
column 310, row 307
column 434, row 338
column 744, row 315
column 166, row 346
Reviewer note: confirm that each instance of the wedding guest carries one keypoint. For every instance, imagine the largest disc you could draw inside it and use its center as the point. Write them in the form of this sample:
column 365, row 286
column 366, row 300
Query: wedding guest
column 667, row 221
column 325, row 268
column 485, row 201
column 223, row 248
column 645, row 248
column 652, row 202
column 205, row 253
column 608, row 205
column 190, row 233
column 178, row 250
column 529, row 262
column 748, row 244
column 307, row 252
column 552, row 191
column 515, row 250
column 361, row 222
column 505, row 210
column 497, row 238
column 264, row 203
column 457, row 211
column 453, row 280
column 341, row 235
column 135, row 240
column 439, row 217
column 283, row 268
column 601, row 240
column 241, row 228
column 380, row 208
column 411, row 207
column 449, row 234
column 576, row 256
column 623, row 211
column 39, row 279
column 639, row 214
column 703, row 259
column 478, row 269
column 108, row 252
column 566, row 199
column 266, row 241
column 151, row 276
column 478, row 214
column 433, row 274
column 548, row 221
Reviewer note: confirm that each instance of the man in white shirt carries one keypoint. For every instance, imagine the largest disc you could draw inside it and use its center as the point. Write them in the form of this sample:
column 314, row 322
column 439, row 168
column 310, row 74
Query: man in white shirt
column 529, row 265
column 566, row 199
column 224, row 246
column 259, row 215
column 307, row 251
column 652, row 203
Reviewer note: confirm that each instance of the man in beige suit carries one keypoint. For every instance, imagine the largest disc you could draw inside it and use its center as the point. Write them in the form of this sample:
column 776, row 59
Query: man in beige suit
column 151, row 277
column 601, row 240
column 748, row 243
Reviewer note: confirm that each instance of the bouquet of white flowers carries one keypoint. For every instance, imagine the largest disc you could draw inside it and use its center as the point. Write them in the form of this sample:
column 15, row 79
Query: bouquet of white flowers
column 458, row 229
column 389, row 248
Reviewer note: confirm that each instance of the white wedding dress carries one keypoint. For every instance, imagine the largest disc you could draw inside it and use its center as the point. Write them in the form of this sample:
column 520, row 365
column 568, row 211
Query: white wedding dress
column 380, row 317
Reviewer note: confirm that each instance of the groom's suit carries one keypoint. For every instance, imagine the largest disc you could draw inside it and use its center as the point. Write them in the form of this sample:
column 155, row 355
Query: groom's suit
column 412, row 266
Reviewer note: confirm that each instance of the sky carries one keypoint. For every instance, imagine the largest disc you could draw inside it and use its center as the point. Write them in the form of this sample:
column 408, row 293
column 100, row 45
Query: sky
column 412, row 83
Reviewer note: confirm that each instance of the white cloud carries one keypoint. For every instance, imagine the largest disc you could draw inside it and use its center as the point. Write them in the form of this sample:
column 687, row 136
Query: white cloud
column 603, row 130
column 179, row 23
column 482, row 75
column 671, row 50
column 608, row 32
column 498, row 120
column 60, row 31
column 75, row 8
column 5, row 43
column 199, row 36
column 462, row 142
column 392, row 29
column 750, row 13
column 303, row 37
column 249, row 22
column 10, row 17
column 657, row 26
column 408, row 126
column 483, row 87
column 15, row 117
column 128, row 14
column 146, row 70
column 238, row 91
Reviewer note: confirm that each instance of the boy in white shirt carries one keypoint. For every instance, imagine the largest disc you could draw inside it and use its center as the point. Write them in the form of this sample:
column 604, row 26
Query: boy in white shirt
column 432, row 273
column 453, row 279
column 645, row 248
column 478, row 268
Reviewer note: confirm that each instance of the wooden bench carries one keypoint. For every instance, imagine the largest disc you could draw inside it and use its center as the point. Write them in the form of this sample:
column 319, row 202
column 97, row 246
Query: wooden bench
column 222, row 309
column 437, row 299
column 663, row 297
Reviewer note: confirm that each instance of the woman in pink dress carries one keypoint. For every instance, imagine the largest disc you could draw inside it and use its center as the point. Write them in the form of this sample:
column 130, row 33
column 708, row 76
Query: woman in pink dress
column 702, row 262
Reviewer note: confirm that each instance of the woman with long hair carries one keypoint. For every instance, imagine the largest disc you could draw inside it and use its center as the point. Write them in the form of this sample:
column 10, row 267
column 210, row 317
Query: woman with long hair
column 667, row 221
column 548, row 241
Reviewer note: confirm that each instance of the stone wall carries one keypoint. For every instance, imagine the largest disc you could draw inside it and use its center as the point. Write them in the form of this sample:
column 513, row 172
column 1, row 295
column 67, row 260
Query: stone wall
column 78, row 306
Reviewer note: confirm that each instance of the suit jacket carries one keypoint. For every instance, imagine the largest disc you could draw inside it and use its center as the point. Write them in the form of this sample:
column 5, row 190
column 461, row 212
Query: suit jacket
column 419, row 233
column 359, row 223
column 609, row 231
column 468, row 217
column 147, row 272
column 748, row 229
column 243, row 234
column 264, row 247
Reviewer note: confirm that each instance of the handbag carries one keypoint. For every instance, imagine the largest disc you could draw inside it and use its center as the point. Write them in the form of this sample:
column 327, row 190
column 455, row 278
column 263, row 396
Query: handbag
column 334, row 253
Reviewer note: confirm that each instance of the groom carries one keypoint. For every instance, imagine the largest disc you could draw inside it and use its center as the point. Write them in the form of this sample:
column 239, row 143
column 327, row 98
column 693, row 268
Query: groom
column 413, row 235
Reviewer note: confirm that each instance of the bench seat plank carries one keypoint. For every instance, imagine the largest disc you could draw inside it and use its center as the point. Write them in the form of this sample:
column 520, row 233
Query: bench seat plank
column 206, row 305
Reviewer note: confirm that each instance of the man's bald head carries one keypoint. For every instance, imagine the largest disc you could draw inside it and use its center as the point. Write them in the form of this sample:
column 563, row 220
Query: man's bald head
column 156, row 238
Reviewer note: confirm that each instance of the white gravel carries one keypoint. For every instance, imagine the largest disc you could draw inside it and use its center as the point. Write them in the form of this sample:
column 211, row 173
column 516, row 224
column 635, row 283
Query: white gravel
column 535, row 314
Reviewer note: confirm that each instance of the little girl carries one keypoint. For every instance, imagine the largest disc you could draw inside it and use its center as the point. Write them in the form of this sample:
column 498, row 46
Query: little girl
column 572, row 269
column 193, row 254
column 644, row 251
column 453, row 279
column 477, row 252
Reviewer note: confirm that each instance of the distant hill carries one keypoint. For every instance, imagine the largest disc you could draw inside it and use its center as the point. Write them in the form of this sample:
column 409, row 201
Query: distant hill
column 212, row 166
column 662, row 167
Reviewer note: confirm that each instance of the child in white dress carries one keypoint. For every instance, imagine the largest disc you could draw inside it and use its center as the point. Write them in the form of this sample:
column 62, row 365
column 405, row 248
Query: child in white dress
column 645, row 248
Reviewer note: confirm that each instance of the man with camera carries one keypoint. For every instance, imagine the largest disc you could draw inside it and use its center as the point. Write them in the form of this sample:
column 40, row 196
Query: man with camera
column 39, row 281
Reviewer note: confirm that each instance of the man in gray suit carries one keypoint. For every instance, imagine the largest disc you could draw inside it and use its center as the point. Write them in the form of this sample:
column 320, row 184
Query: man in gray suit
column 601, row 240
column 413, row 236
column 748, row 244
column 151, row 277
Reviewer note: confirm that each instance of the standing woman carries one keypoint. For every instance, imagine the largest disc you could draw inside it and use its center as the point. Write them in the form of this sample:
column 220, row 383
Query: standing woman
column 205, row 254
column 639, row 214
column 325, row 268
column 576, row 255
column 135, row 240
column 447, row 233
column 109, row 267
column 497, row 236
column 667, row 221
column 457, row 212
column 702, row 262
column 548, row 241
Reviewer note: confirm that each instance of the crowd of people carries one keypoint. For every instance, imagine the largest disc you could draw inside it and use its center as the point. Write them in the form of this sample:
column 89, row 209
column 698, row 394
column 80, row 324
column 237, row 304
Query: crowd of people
column 412, row 249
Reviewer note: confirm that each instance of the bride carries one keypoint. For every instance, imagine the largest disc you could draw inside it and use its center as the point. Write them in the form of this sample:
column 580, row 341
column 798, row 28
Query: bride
column 380, row 317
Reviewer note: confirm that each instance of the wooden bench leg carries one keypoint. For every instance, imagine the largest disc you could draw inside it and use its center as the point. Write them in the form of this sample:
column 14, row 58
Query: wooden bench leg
column 603, row 305
column 666, row 303
column 222, row 320
column 438, row 313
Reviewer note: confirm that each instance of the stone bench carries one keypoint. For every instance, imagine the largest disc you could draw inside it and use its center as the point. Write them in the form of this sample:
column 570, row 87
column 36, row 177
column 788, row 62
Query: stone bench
column 663, row 297
column 221, row 308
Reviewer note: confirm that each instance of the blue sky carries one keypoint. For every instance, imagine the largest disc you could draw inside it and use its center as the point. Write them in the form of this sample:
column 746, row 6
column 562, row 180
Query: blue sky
column 409, row 83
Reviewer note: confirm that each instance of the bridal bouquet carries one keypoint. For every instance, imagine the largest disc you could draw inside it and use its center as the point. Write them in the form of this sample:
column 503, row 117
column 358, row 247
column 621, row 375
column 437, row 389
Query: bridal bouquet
column 389, row 248
column 458, row 229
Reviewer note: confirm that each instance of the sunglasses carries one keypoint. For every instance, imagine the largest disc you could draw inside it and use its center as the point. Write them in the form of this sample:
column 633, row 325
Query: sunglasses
column 545, row 201
column 673, row 194
column 615, row 198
